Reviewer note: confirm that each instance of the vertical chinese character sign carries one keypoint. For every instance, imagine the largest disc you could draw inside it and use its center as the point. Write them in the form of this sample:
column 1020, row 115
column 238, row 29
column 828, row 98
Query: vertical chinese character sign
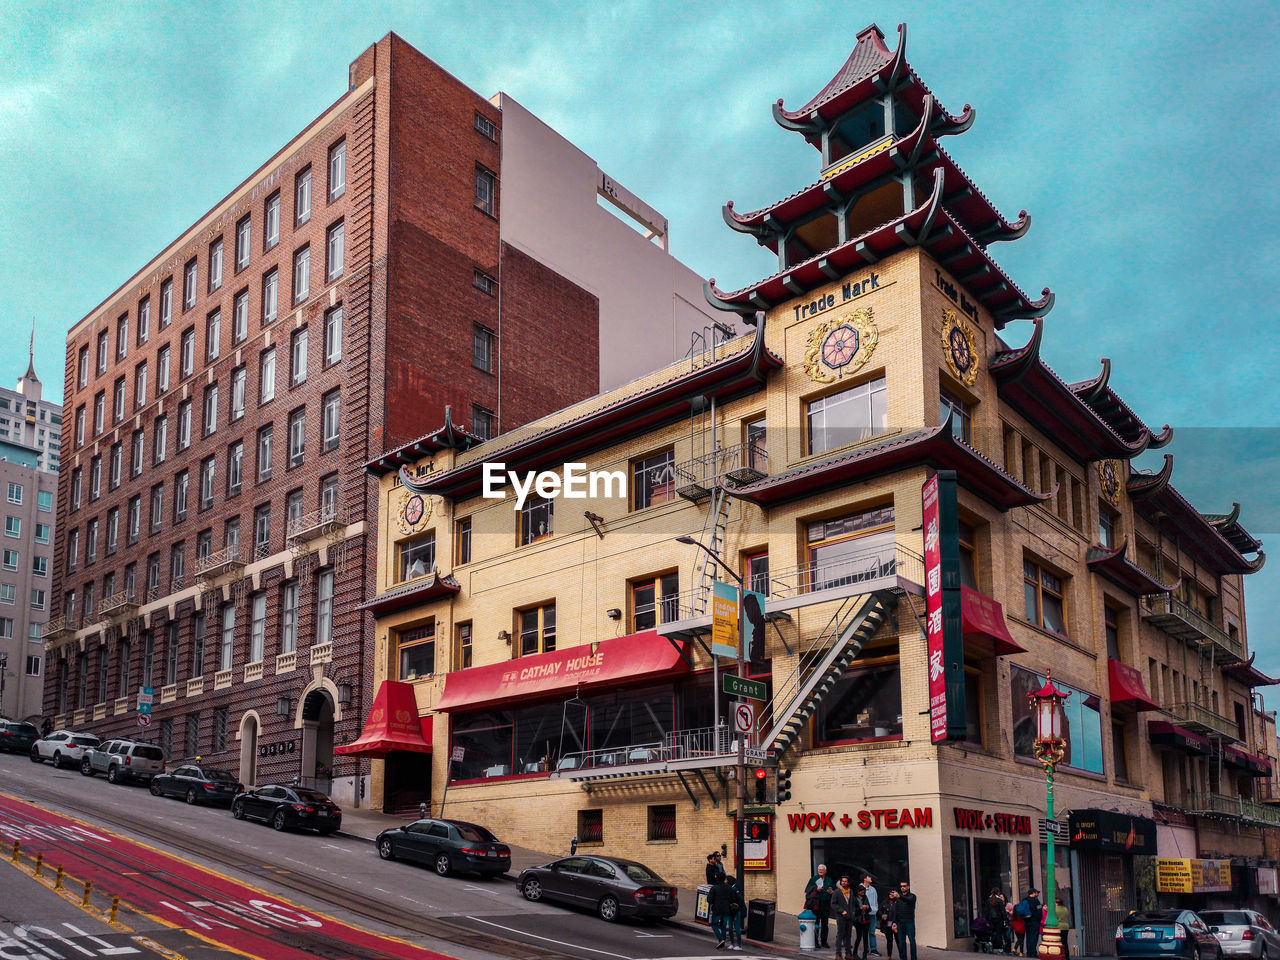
column 943, row 627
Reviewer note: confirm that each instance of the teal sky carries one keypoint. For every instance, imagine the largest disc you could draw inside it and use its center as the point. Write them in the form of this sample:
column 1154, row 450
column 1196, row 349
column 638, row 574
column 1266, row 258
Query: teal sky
column 1142, row 140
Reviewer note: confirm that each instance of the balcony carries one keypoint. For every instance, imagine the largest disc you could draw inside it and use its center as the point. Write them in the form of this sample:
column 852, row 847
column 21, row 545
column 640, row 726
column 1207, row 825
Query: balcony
column 220, row 563
column 1236, row 808
column 120, row 604
column 1201, row 719
column 324, row 522
column 1175, row 618
column 61, row 626
column 738, row 462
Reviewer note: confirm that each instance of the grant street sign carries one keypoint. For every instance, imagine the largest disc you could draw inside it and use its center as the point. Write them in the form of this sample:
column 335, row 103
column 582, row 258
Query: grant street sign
column 742, row 687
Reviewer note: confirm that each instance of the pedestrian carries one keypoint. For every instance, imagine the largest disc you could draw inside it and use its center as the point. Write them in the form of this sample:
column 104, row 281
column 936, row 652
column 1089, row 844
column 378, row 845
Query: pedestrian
column 821, row 885
column 1064, row 927
column 715, row 871
column 998, row 917
column 1032, row 914
column 722, row 906
column 843, row 907
column 739, row 911
column 873, row 900
column 887, row 912
column 862, row 917
column 904, row 923
column 46, row 727
column 1019, row 927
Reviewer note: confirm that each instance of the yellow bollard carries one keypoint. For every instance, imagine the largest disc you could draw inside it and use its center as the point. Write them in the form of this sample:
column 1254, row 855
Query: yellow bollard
column 115, row 905
column 87, row 885
column 39, row 863
column 57, row 884
column 15, row 851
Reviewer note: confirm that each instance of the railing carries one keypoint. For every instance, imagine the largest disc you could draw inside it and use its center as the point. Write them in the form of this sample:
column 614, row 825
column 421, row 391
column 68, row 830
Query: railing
column 177, row 584
column 693, row 744
column 286, row 662
column 739, row 462
column 1195, row 715
column 61, row 625
column 219, row 562
column 1177, row 619
column 195, row 686
column 1221, row 805
column 322, row 653
column 253, row 671
column 222, row 679
column 169, row 693
column 318, row 523
column 122, row 601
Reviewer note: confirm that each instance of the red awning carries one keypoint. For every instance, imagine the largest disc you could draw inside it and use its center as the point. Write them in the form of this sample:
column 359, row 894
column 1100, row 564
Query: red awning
column 607, row 663
column 984, row 623
column 393, row 724
column 1127, row 689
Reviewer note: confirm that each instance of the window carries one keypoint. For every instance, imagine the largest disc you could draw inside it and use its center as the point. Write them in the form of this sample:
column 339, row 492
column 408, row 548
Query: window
column 486, row 190
column 757, row 571
column 166, row 303
column 239, row 377
column 864, row 704
column 462, row 540
column 213, row 336
column 337, row 170
column 122, row 337
column 332, row 419
column 240, row 317
column 417, row 557
column 11, row 559
column 1044, row 594
column 653, row 479
column 144, row 320
column 292, row 507
column 271, row 221
column 13, row 526
column 417, row 651
column 215, row 265
column 1082, row 722
column 91, row 541
column 262, row 531
column 486, row 127
column 484, row 283
column 235, row 464
column 80, row 417
column 324, row 607
column 298, row 357
column 536, row 519
column 118, row 401
column 968, row 556
column 850, row 549
column 189, row 274
column 483, row 422
column 99, row 412
column 193, row 730
column 850, row 416
column 39, row 566
column 301, row 274
column 210, row 409
column 197, row 654
column 1106, row 527
column 654, row 600
column 289, row 617
column 38, row 599
column 207, row 470
column 157, row 507
column 171, row 653
column 462, row 646
column 302, row 197
column 329, row 497
column 82, row 368
column 188, row 357
column 204, row 544
column 537, row 629
column 76, row 483
column 33, row 664
column 297, row 436
column 104, row 349
column 270, row 296
column 184, row 424
column 335, row 251
column 264, row 452
column 8, row 593
column 333, row 336
column 140, row 386
column 113, row 529
column 6, row 628
column 267, row 376
column 244, row 237
column 181, row 484
column 482, row 348
column 226, row 648
column 1111, row 628
column 160, row 445
column 662, row 821
column 135, row 518
column 961, row 413
column 258, row 628
column 42, row 532
column 15, row 493
column 177, row 566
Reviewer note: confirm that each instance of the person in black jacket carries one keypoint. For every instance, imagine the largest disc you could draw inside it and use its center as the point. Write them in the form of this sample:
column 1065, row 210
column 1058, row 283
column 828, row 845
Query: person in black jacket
column 739, row 913
column 723, row 902
column 888, row 912
column 998, row 917
column 904, row 920
column 843, row 908
column 715, row 871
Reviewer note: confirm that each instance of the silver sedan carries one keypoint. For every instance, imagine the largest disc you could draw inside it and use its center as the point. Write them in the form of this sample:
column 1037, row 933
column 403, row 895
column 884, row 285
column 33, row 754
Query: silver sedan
column 1243, row 933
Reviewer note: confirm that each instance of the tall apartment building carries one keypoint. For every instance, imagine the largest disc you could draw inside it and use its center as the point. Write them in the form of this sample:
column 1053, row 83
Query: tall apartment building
column 30, row 431
column 357, row 291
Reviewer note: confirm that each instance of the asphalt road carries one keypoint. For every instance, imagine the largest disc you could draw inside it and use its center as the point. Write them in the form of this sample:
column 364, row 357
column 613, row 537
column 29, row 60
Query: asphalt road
column 201, row 867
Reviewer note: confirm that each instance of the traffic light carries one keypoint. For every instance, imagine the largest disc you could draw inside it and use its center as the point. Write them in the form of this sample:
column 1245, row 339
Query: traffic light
column 762, row 784
column 784, row 785
column 754, row 831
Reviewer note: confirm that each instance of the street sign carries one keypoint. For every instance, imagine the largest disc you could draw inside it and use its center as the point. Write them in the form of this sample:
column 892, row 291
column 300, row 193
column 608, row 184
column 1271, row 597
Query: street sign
column 742, row 687
column 744, row 718
column 144, row 719
column 754, row 753
column 146, row 697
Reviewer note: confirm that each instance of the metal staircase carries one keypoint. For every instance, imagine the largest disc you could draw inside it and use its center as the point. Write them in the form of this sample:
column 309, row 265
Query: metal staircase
column 821, row 665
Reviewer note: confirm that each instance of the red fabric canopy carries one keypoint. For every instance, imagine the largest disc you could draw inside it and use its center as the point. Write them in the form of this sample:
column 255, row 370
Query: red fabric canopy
column 615, row 662
column 393, row 724
column 984, row 623
column 1127, row 689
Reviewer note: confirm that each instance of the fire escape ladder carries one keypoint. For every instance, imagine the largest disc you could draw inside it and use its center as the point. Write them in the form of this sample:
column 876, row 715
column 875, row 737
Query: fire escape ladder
column 714, row 525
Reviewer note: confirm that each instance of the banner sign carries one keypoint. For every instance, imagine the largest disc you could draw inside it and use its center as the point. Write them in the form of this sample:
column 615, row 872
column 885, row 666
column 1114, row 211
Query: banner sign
column 753, row 626
column 943, row 624
column 1112, row 832
column 724, row 620
column 1193, row 876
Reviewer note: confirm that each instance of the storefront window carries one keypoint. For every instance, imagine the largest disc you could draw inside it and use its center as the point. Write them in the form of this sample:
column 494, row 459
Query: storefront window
column 1024, row 868
column 994, row 869
column 865, row 704
column 885, row 858
column 961, row 894
column 1081, row 722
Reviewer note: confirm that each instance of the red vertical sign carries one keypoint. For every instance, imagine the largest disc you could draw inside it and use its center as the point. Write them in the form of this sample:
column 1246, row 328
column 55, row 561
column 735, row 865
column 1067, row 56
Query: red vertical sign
column 933, row 612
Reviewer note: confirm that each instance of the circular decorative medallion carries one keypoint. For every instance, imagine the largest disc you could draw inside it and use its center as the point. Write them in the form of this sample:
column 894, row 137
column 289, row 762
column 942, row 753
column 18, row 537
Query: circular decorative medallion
column 414, row 510
column 840, row 345
column 961, row 352
column 1109, row 477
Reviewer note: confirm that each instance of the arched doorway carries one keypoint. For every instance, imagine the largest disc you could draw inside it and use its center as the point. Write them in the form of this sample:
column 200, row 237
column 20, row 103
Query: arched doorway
column 317, row 740
column 248, row 749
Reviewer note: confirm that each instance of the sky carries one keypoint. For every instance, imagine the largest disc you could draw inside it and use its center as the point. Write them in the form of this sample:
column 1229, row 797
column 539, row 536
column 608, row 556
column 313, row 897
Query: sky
column 1142, row 140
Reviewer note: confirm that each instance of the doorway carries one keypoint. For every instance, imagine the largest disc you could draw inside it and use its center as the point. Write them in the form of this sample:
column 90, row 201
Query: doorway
column 249, row 750
column 991, row 858
column 317, row 741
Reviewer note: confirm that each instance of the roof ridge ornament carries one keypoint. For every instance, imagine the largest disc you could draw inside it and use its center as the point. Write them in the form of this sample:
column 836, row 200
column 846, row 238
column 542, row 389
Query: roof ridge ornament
column 1143, row 485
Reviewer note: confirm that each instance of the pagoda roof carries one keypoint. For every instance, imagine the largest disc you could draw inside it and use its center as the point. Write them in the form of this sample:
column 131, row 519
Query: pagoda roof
column 1123, row 572
column 935, row 446
column 1108, row 405
column 1248, row 674
column 929, row 225
column 426, row 589
column 1155, row 496
column 448, row 436
column 918, row 149
column 870, row 69
column 1027, row 384
column 1228, row 525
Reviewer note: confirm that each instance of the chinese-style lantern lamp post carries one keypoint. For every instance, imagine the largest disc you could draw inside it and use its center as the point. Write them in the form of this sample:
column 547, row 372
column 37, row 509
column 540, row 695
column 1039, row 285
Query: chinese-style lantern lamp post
column 1050, row 748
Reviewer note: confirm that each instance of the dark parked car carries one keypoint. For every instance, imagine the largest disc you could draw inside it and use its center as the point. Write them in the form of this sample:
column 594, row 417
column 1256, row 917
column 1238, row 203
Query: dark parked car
column 17, row 737
column 446, row 845
column 1243, row 933
column 612, row 887
column 1167, row 933
column 285, row 807
column 197, row 784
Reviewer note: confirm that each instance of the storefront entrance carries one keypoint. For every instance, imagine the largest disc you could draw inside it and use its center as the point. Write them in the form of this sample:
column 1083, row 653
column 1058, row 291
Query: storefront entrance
column 885, row 858
column 1103, row 847
column 994, row 868
column 408, row 782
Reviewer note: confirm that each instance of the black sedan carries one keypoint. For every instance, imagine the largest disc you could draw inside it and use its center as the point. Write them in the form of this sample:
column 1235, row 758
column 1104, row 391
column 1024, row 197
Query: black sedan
column 446, row 845
column 197, row 784
column 612, row 887
column 1167, row 933
column 285, row 807
column 17, row 737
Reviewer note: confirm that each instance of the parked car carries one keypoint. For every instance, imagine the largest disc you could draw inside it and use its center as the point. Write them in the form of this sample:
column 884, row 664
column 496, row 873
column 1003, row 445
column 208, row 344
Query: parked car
column 1243, row 933
column 197, row 784
column 285, row 807
column 16, row 736
column 1167, row 933
column 446, row 845
column 612, row 887
column 63, row 747
column 123, row 760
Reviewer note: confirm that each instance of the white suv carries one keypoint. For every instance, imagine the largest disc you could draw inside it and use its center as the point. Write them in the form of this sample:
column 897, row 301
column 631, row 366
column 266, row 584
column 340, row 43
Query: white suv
column 63, row 747
column 123, row 760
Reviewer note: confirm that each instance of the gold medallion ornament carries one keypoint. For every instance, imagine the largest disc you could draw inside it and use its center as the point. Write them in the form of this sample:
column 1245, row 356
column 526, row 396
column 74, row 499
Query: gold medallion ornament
column 958, row 343
column 414, row 511
column 840, row 345
column 1109, row 477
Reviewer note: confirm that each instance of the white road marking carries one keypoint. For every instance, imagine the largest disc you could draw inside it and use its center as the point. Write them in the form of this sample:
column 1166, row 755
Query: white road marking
column 575, row 946
column 330, row 846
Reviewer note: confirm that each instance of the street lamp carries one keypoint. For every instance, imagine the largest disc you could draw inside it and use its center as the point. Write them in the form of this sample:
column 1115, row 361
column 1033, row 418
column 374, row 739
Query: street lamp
column 1050, row 748
column 740, row 776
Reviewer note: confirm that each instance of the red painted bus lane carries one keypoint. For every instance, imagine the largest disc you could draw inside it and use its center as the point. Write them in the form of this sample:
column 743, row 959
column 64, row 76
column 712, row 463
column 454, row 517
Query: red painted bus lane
column 181, row 894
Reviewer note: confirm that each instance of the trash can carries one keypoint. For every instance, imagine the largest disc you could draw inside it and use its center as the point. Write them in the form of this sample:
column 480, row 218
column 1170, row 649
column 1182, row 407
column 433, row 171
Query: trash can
column 760, row 920
column 808, row 930
column 702, row 904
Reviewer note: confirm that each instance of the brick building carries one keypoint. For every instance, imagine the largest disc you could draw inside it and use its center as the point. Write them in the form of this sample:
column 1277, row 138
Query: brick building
column 559, row 654
column 356, row 291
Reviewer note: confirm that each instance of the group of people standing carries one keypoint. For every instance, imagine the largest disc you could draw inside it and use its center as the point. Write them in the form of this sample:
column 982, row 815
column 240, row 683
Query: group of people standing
column 858, row 912
column 1016, row 928
column 726, row 904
